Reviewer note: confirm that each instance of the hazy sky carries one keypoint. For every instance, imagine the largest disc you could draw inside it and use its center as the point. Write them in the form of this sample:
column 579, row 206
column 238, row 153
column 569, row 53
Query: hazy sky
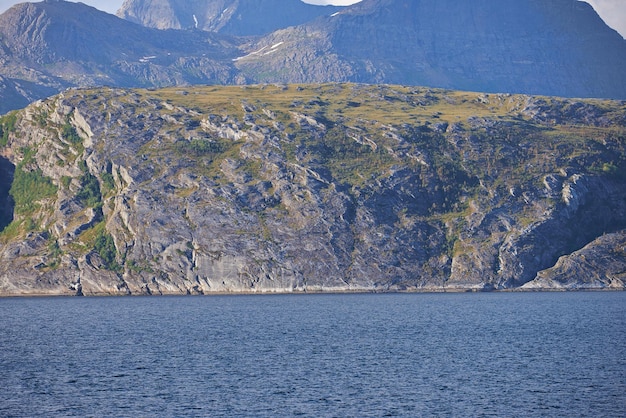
column 612, row 11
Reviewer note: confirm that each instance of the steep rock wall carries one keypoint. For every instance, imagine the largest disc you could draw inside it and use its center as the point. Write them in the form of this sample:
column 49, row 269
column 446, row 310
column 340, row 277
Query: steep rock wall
column 318, row 188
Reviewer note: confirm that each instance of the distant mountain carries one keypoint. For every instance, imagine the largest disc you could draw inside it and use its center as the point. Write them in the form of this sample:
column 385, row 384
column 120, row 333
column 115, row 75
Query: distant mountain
column 233, row 17
column 557, row 47
column 49, row 46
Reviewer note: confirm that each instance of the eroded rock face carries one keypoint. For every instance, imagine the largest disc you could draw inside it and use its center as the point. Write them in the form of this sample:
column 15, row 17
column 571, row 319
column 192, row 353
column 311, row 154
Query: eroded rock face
column 318, row 188
column 599, row 265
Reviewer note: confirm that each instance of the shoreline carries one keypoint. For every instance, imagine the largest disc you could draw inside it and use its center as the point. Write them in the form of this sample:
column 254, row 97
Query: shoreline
column 310, row 292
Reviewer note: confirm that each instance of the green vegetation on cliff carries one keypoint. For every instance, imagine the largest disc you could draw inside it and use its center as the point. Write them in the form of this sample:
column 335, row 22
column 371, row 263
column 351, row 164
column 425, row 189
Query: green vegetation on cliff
column 105, row 247
column 7, row 125
column 89, row 193
column 29, row 189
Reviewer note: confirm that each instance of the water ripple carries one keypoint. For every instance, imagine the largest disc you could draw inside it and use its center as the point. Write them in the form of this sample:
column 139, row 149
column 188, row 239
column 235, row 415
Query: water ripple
column 554, row 354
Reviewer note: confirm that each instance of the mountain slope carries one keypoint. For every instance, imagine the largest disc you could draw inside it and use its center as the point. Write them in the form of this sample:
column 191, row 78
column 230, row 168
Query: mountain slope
column 233, row 17
column 558, row 47
column 49, row 46
column 333, row 187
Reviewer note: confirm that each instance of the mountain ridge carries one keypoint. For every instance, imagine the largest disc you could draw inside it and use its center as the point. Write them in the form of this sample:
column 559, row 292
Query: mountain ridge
column 51, row 46
column 555, row 48
column 552, row 48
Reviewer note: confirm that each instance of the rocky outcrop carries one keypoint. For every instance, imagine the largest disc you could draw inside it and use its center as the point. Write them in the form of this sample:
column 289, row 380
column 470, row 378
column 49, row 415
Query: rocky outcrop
column 332, row 187
column 599, row 265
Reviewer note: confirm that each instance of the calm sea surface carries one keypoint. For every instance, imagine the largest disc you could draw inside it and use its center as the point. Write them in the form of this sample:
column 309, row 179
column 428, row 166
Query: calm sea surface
column 488, row 354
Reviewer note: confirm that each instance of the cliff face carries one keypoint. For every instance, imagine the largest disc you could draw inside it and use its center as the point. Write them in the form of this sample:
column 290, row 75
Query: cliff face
column 310, row 188
column 232, row 17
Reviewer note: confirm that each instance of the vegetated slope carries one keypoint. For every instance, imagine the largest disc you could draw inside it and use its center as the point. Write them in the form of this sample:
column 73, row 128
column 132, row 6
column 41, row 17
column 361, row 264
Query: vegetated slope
column 332, row 187
column 48, row 46
column 558, row 47
column 233, row 17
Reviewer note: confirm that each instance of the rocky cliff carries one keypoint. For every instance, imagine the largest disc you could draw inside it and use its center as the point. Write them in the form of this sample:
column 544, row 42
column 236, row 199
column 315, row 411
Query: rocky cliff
column 331, row 187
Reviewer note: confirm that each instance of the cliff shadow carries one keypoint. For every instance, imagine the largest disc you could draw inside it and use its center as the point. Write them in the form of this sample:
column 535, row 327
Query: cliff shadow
column 7, row 171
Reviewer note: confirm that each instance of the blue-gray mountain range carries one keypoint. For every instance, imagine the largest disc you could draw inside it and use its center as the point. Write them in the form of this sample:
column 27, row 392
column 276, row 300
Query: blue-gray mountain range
column 561, row 47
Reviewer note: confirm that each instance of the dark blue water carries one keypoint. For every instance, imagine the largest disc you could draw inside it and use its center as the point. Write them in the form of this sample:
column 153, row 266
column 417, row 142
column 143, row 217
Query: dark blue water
column 513, row 354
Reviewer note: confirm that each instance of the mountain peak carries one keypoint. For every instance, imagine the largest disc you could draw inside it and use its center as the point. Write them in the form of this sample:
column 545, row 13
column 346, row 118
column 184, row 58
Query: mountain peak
column 233, row 17
column 49, row 46
column 560, row 47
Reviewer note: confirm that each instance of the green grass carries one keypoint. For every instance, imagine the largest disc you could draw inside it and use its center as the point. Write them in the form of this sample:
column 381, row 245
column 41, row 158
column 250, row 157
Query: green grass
column 66, row 181
column 89, row 193
column 203, row 147
column 99, row 240
column 12, row 231
column 108, row 183
column 29, row 190
column 54, row 253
